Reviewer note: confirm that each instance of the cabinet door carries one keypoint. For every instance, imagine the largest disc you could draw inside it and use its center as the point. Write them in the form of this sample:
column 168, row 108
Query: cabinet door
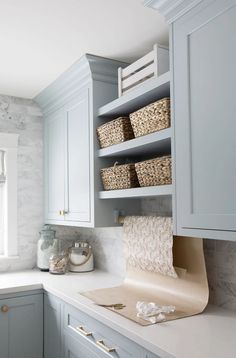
column 205, row 126
column 78, row 159
column 55, row 132
column 21, row 327
column 52, row 327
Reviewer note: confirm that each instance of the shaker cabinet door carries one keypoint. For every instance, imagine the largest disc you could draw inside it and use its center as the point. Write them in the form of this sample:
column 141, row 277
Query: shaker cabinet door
column 55, row 134
column 52, row 327
column 21, row 327
column 204, row 110
column 77, row 204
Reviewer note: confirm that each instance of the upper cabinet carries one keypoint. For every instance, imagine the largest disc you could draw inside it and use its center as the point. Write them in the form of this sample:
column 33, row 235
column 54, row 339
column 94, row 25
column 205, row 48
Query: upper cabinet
column 67, row 159
column 72, row 170
column 204, row 107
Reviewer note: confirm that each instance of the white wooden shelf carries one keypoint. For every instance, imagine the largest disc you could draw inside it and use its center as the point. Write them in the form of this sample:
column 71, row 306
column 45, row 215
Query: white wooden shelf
column 150, row 191
column 158, row 142
column 145, row 93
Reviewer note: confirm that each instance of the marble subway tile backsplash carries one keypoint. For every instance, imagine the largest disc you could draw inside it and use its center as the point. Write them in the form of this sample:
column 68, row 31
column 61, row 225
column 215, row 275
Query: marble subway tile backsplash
column 221, row 269
column 24, row 117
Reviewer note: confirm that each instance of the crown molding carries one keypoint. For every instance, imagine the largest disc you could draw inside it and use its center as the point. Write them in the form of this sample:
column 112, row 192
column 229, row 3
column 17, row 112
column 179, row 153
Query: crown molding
column 171, row 9
column 89, row 68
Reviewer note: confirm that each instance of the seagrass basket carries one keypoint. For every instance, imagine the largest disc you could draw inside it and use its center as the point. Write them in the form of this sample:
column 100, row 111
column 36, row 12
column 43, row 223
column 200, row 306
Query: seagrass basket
column 114, row 132
column 119, row 177
column 155, row 171
column 152, row 118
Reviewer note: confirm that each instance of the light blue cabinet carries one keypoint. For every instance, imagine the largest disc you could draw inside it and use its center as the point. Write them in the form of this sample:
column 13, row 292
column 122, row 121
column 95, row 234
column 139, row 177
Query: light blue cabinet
column 67, row 161
column 21, row 327
column 69, row 332
column 72, row 168
column 78, row 188
column 55, row 164
column 204, row 78
column 52, row 327
column 100, row 340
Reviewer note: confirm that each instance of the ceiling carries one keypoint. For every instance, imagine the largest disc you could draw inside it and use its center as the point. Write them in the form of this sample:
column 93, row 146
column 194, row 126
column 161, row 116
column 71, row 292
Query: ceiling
column 40, row 39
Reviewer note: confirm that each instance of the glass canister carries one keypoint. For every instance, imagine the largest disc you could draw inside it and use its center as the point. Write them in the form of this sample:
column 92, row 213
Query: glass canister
column 58, row 260
column 45, row 247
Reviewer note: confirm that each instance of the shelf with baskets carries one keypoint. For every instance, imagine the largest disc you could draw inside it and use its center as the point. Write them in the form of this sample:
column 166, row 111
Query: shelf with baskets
column 136, row 137
column 157, row 142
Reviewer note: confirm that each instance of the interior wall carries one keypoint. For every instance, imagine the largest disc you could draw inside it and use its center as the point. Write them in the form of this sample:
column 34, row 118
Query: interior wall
column 23, row 116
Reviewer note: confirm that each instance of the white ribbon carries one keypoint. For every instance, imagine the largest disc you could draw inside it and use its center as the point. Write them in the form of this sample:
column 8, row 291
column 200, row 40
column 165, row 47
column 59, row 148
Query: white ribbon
column 150, row 311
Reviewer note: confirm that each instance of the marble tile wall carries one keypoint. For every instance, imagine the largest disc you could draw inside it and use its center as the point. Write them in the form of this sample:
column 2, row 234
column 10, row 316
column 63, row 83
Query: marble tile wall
column 24, row 117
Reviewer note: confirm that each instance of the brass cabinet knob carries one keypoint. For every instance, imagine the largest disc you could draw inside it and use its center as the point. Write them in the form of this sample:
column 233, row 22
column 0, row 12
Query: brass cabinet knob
column 4, row 308
column 62, row 212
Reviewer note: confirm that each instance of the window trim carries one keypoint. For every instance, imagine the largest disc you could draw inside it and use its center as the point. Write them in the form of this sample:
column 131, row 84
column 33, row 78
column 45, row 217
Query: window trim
column 9, row 142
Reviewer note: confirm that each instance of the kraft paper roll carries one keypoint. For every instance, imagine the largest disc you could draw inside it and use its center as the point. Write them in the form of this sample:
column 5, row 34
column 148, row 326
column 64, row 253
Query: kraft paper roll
column 187, row 289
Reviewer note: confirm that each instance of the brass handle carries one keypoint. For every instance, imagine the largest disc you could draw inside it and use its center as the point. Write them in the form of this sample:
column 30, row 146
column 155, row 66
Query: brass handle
column 82, row 330
column 63, row 212
column 102, row 345
column 4, row 308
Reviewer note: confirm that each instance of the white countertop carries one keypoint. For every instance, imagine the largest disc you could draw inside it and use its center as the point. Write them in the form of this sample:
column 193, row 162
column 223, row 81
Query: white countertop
column 208, row 335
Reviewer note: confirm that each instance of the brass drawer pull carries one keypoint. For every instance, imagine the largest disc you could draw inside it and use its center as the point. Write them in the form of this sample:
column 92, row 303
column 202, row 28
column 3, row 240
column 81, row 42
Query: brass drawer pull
column 4, row 308
column 102, row 345
column 82, row 330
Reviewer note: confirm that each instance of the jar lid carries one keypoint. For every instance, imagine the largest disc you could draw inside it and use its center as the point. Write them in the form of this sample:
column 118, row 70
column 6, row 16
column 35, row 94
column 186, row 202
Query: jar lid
column 82, row 244
column 47, row 231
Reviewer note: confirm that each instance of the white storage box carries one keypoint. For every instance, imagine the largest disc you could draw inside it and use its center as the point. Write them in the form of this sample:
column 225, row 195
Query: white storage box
column 154, row 64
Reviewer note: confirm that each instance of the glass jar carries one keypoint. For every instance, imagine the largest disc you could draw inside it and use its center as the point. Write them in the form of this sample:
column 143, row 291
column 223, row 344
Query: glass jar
column 58, row 260
column 45, row 247
column 58, row 263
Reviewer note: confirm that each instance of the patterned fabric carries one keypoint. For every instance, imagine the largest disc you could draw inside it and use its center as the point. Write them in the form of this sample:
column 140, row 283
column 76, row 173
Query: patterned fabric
column 148, row 243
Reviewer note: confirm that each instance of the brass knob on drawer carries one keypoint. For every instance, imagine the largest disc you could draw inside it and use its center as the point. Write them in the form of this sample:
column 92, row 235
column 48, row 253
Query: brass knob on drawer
column 103, row 346
column 4, row 308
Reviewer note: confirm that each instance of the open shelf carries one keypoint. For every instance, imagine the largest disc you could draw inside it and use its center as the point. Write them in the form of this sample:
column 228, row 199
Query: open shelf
column 158, row 142
column 147, row 92
column 149, row 191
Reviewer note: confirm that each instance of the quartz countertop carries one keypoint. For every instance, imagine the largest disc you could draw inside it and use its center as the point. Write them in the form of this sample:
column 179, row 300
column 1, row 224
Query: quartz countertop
column 208, row 335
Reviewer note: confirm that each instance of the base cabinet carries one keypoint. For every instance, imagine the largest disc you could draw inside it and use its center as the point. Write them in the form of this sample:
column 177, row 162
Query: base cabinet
column 21, row 327
column 52, row 327
column 71, row 333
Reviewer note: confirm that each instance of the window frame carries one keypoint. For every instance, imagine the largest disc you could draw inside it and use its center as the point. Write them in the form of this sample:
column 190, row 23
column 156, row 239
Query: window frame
column 9, row 143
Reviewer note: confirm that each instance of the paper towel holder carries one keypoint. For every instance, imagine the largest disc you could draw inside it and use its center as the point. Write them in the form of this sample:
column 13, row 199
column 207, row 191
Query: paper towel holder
column 119, row 216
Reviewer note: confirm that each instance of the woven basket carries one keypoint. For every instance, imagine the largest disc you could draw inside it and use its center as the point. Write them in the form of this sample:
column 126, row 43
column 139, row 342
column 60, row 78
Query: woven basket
column 114, row 132
column 152, row 118
column 119, row 177
column 154, row 171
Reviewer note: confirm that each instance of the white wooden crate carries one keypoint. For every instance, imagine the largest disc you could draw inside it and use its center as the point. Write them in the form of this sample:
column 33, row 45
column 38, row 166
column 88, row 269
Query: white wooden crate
column 154, row 64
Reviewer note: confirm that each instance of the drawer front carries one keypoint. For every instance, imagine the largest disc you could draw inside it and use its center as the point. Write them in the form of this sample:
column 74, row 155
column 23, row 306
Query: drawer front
column 75, row 348
column 100, row 338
